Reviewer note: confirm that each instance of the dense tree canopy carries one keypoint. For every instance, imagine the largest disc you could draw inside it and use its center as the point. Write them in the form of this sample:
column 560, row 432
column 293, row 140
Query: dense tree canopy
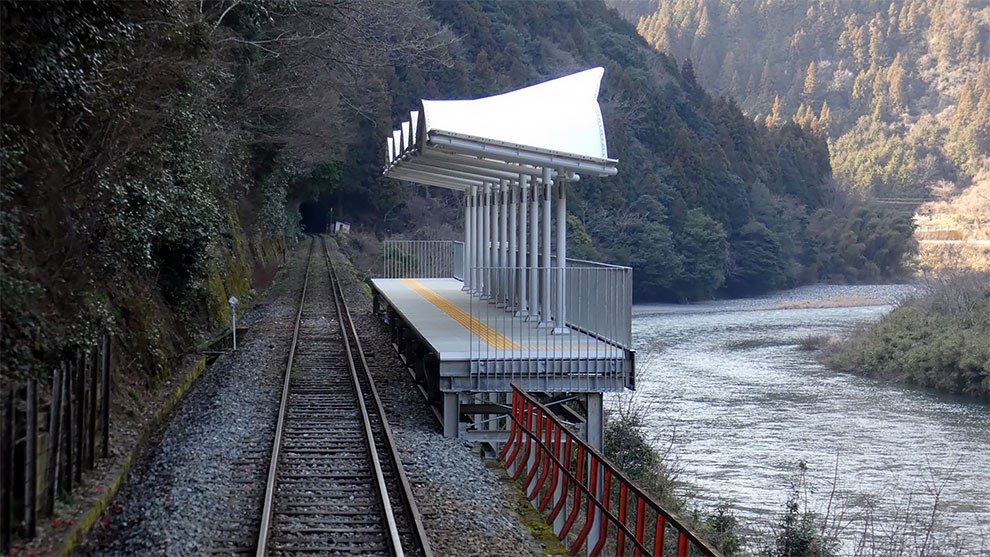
column 900, row 86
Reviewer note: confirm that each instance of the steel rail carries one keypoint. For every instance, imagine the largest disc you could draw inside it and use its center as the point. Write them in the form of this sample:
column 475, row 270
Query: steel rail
column 373, row 437
column 338, row 300
column 266, row 512
column 421, row 539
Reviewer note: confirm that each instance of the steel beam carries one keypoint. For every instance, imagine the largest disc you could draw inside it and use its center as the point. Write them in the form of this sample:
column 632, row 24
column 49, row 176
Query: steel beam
column 489, row 149
column 478, row 163
column 414, row 164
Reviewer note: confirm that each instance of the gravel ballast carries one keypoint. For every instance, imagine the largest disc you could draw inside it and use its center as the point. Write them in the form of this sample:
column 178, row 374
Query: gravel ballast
column 199, row 484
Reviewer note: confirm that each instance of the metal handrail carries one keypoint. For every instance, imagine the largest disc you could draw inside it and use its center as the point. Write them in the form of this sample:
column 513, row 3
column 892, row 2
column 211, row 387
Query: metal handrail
column 533, row 425
column 418, row 259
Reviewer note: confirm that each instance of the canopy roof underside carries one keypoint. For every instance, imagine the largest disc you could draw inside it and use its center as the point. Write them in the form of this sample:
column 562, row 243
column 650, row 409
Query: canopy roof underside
column 458, row 144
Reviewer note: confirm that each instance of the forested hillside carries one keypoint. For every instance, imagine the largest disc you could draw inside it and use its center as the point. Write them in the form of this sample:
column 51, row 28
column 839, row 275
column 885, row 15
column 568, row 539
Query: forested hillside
column 706, row 200
column 155, row 153
column 154, row 156
column 902, row 88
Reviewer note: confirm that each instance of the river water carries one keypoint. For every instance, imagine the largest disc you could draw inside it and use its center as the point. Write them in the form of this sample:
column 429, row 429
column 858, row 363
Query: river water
column 726, row 385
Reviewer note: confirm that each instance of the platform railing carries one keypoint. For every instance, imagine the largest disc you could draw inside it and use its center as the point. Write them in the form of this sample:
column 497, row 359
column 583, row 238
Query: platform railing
column 459, row 261
column 604, row 292
column 419, row 259
column 513, row 340
column 583, row 495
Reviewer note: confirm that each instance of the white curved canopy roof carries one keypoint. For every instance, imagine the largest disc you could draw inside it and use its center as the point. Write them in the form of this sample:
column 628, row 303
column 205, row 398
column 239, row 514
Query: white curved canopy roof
column 560, row 115
column 462, row 143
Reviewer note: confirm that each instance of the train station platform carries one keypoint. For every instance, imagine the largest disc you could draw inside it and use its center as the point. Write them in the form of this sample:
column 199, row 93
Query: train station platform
column 457, row 344
column 507, row 306
column 458, row 327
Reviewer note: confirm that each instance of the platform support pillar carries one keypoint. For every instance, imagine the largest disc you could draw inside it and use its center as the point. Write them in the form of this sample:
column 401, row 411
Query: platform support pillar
column 451, row 414
column 559, row 317
column 476, row 241
column 534, row 253
column 522, row 303
column 512, row 302
column 486, row 231
column 494, row 293
column 466, row 260
column 545, row 318
column 503, row 244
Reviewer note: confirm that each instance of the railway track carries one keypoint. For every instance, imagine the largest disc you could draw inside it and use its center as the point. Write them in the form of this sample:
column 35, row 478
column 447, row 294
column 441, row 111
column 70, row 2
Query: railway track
column 335, row 482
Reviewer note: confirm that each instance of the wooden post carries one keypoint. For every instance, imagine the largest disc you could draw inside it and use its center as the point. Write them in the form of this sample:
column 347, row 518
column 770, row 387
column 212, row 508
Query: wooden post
column 55, row 424
column 80, row 384
column 67, row 415
column 31, row 459
column 107, row 342
column 93, row 378
column 6, row 466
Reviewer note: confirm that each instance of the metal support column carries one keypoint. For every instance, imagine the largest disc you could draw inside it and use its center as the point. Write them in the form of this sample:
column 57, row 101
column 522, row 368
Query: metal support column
column 559, row 318
column 521, row 277
column 451, row 414
column 503, row 245
column 493, row 294
column 596, row 436
column 476, row 240
column 546, row 320
column 492, row 242
column 466, row 260
column 486, row 230
column 534, row 251
column 513, row 303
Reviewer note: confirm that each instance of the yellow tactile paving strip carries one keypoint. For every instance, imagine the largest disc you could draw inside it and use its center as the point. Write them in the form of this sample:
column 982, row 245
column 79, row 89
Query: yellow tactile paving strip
column 492, row 337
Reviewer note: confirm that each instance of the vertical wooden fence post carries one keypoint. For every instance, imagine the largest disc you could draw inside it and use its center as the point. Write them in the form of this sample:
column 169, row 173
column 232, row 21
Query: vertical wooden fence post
column 6, row 465
column 67, row 423
column 80, row 383
column 55, row 424
column 93, row 378
column 31, row 459
column 107, row 342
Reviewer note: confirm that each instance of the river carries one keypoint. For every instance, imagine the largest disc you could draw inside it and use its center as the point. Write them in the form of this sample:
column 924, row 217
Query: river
column 727, row 384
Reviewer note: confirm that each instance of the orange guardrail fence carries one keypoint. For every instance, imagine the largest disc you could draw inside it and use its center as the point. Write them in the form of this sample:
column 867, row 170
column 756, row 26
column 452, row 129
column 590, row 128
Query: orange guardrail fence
column 561, row 472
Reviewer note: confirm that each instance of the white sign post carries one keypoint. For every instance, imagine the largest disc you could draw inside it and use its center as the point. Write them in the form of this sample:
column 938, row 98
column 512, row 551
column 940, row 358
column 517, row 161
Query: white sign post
column 233, row 312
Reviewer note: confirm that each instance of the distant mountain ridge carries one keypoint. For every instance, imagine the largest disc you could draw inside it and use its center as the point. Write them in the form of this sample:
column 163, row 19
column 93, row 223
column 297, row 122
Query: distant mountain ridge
column 901, row 88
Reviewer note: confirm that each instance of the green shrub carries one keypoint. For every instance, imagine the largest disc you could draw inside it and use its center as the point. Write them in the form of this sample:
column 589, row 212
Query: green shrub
column 938, row 340
column 628, row 447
